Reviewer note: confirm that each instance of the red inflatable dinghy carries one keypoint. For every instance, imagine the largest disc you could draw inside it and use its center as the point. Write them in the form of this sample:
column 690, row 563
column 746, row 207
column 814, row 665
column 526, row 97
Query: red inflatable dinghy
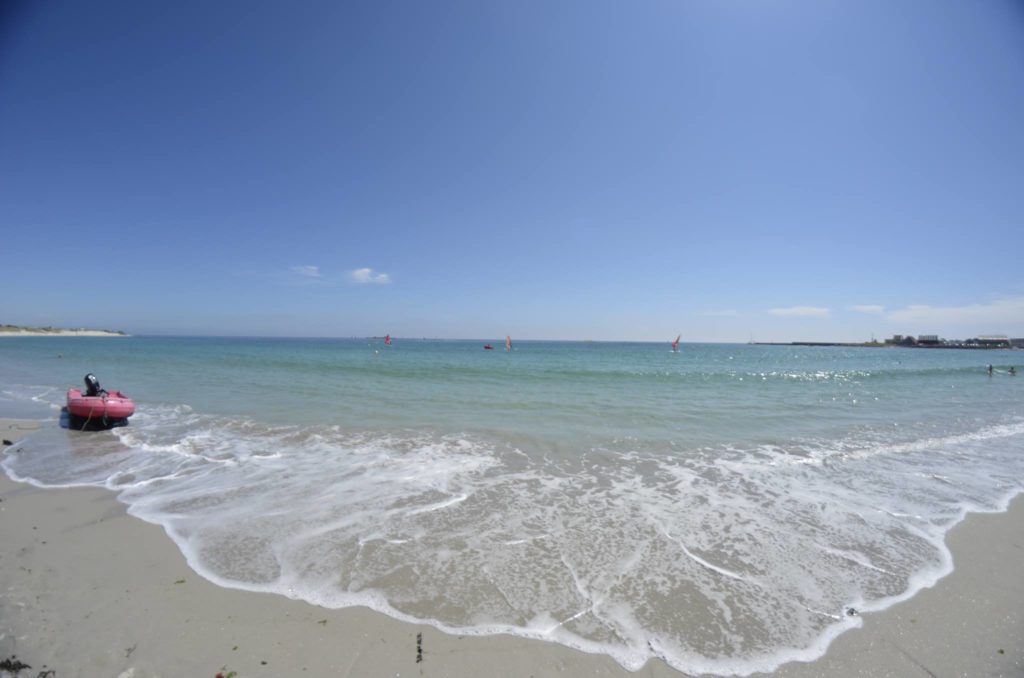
column 99, row 404
column 114, row 405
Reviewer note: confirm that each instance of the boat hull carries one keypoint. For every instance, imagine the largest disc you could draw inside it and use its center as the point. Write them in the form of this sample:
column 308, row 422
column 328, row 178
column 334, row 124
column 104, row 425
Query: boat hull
column 115, row 405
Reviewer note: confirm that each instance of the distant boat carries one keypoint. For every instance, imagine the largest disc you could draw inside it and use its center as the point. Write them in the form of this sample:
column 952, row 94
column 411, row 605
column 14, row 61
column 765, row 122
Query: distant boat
column 488, row 347
column 675, row 344
column 508, row 343
column 387, row 339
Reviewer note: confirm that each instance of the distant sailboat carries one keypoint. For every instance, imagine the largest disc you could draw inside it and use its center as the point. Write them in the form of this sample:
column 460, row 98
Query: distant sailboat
column 675, row 344
column 508, row 343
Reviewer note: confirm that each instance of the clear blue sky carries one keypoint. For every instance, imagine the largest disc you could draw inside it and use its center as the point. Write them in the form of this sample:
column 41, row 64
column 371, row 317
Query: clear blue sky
column 594, row 170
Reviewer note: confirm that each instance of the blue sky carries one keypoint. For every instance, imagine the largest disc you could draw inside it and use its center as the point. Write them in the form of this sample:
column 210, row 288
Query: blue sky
column 576, row 170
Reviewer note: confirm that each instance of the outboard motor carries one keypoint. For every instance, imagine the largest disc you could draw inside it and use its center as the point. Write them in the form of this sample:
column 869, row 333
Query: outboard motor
column 92, row 385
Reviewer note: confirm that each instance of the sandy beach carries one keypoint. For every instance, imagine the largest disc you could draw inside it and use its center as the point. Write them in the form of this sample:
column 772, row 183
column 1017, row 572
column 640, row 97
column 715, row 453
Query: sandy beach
column 88, row 590
column 60, row 333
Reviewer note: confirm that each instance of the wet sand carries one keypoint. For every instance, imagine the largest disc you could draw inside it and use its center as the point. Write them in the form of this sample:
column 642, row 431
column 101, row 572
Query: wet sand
column 87, row 590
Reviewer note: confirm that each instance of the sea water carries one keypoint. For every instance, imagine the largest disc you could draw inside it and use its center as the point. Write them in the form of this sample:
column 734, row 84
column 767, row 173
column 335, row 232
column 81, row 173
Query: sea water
column 726, row 508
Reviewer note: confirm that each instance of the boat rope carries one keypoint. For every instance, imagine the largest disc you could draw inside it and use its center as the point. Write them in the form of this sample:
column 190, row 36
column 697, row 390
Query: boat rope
column 92, row 409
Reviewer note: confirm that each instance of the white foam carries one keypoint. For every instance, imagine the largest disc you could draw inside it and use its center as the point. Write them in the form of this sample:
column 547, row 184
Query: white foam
column 854, row 557
column 440, row 505
column 701, row 561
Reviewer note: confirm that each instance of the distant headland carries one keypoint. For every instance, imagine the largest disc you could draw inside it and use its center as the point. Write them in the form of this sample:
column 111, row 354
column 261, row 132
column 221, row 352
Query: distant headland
column 19, row 331
column 920, row 341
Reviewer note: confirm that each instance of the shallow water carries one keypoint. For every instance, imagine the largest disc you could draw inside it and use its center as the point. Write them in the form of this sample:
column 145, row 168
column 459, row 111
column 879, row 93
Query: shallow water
column 723, row 507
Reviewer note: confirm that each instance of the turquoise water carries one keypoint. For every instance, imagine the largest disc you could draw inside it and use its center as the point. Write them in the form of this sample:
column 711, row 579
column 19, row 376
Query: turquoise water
column 722, row 508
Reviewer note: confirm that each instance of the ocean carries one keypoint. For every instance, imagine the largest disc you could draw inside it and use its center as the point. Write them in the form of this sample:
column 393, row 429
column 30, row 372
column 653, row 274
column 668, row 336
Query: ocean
column 726, row 508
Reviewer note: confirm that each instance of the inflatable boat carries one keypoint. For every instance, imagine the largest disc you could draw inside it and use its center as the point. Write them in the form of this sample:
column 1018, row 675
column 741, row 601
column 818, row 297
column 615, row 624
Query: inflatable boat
column 97, row 404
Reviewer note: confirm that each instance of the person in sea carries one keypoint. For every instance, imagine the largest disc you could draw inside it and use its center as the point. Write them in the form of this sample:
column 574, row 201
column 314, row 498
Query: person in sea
column 990, row 370
column 1013, row 370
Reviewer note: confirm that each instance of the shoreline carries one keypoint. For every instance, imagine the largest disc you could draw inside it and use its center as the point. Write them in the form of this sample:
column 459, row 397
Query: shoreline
column 89, row 590
column 62, row 333
column 878, row 344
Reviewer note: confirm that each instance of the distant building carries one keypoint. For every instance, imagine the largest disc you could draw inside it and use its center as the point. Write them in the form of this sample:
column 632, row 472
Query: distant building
column 993, row 341
column 1017, row 343
column 928, row 340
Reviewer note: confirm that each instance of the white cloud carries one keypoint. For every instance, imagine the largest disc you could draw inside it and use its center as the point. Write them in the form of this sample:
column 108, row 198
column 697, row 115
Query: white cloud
column 979, row 317
column 307, row 271
column 724, row 313
column 867, row 308
column 368, row 275
column 800, row 312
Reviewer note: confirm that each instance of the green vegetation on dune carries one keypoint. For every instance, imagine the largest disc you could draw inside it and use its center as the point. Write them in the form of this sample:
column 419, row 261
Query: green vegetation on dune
column 54, row 330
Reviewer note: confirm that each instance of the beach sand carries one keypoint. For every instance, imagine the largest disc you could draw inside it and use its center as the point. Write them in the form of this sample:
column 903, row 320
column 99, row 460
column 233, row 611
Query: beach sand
column 61, row 333
column 87, row 590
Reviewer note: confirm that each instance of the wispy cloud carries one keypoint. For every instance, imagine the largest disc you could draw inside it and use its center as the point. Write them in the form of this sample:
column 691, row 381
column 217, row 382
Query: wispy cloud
column 723, row 313
column 307, row 271
column 369, row 276
column 995, row 314
column 800, row 312
column 302, row 276
column 867, row 308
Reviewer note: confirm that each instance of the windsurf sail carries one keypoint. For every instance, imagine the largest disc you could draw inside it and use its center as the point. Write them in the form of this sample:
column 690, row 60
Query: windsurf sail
column 508, row 343
column 675, row 344
column 387, row 339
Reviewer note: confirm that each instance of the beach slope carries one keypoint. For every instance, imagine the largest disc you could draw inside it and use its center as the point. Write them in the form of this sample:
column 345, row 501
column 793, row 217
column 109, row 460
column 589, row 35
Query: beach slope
column 87, row 590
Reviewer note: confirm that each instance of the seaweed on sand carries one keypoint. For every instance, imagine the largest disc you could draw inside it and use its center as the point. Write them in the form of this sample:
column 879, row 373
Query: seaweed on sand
column 13, row 664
